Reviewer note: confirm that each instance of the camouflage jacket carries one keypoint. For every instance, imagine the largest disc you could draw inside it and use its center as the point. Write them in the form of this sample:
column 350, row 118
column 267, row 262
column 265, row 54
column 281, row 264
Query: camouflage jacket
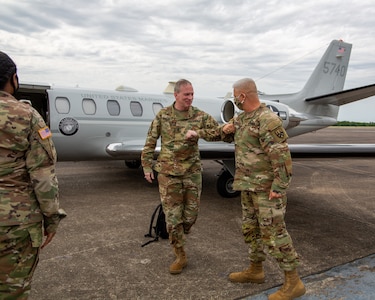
column 28, row 183
column 177, row 156
column 263, row 159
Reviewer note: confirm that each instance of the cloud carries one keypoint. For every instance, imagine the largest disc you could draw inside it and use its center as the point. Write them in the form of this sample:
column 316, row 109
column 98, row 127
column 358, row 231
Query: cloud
column 105, row 43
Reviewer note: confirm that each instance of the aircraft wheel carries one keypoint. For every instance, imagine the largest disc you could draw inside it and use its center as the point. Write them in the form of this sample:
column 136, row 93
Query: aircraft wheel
column 224, row 185
column 133, row 164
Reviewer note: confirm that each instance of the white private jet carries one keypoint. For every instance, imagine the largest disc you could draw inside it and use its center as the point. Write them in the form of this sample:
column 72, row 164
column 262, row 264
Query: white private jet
column 91, row 124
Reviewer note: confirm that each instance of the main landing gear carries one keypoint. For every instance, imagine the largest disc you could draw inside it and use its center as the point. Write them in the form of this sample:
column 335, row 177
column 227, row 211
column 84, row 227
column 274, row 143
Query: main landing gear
column 224, row 184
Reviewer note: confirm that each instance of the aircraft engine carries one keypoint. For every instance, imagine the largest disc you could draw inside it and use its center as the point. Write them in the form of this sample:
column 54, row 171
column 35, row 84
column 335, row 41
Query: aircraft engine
column 228, row 110
column 290, row 117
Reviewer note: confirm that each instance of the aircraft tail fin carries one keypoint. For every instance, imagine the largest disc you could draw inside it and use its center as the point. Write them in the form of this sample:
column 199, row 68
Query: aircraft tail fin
column 330, row 73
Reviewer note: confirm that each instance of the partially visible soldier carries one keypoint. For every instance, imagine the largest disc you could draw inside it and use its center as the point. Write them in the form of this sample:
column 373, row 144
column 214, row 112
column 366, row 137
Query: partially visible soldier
column 29, row 202
column 263, row 173
column 178, row 165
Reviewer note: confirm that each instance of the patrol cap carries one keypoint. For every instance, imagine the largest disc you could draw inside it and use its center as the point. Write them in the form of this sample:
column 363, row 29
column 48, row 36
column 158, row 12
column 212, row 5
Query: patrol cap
column 7, row 68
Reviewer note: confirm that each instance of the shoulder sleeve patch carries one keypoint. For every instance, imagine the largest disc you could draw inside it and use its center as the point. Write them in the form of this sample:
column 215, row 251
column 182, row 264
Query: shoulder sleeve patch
column 44, row 133
column 275, row 127
column 279, row 134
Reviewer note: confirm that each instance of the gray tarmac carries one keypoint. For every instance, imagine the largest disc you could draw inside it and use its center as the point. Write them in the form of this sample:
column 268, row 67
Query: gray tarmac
column 97, row 251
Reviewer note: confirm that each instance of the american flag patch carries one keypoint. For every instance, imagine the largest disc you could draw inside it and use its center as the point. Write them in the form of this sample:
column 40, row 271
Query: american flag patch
column 45, row 133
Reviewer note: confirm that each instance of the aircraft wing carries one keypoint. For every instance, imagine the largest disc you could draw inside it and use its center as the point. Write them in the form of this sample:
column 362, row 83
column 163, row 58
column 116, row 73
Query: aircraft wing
column 344, row 97
column 131, row 150
column 223, row 151
column 128, row 150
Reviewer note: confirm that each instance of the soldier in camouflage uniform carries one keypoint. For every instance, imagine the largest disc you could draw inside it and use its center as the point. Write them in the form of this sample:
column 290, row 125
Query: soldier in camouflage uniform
column 28, row 187
column 263, row 173
column 178, row 164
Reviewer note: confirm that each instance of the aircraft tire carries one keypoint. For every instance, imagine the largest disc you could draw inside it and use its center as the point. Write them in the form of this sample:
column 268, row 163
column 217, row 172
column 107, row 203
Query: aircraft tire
column 224, row 185
column 133, row 164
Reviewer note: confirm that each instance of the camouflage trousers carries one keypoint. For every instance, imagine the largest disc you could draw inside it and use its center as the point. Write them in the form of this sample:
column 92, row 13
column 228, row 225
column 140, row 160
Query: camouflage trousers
column 264, row 229
column 19, row 255
column 180, row 197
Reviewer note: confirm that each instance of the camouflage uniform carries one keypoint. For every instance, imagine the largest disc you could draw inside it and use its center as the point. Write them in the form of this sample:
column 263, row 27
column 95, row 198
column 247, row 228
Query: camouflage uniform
column 28, row 194
column 178, row 165
column 263, row 163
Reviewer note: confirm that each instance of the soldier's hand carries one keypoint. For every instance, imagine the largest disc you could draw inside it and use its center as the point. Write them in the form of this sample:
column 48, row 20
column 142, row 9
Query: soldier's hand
column 191, row 134
column 274, row 194
column 149, row 177
column 229, row 128
column 48, row 239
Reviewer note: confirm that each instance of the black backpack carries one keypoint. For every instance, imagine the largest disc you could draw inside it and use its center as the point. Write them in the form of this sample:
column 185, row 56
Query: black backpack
column 160, row 227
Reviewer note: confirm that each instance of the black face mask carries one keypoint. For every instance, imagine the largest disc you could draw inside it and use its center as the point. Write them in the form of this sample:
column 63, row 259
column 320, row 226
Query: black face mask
column 15, row 89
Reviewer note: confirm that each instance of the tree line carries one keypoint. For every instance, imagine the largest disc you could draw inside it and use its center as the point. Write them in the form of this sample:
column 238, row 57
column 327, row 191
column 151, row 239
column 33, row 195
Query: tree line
column 349, row 123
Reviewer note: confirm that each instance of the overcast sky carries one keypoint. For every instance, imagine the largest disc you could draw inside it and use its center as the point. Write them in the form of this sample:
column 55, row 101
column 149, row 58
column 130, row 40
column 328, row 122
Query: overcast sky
column 144, row 44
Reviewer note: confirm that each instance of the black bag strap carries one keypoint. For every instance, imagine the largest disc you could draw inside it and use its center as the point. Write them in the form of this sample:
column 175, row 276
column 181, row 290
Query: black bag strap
column 149, row 242
column 149, row 234
column 158, row 208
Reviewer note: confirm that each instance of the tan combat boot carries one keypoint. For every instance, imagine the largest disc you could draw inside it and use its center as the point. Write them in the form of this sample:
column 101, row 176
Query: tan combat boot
column 180, row 262
column 253, row 274
column 292, row 287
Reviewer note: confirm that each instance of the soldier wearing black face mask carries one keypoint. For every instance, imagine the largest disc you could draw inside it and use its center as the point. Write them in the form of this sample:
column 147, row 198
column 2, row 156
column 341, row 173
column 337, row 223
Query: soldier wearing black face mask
column 29, row 202
column 263, row 174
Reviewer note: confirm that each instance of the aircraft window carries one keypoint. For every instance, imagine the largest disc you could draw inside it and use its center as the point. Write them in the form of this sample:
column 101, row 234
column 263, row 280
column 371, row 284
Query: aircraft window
column 156, row 107
column 136, row 108
column 113, row 107
column 62, row 105
column 89, row 106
